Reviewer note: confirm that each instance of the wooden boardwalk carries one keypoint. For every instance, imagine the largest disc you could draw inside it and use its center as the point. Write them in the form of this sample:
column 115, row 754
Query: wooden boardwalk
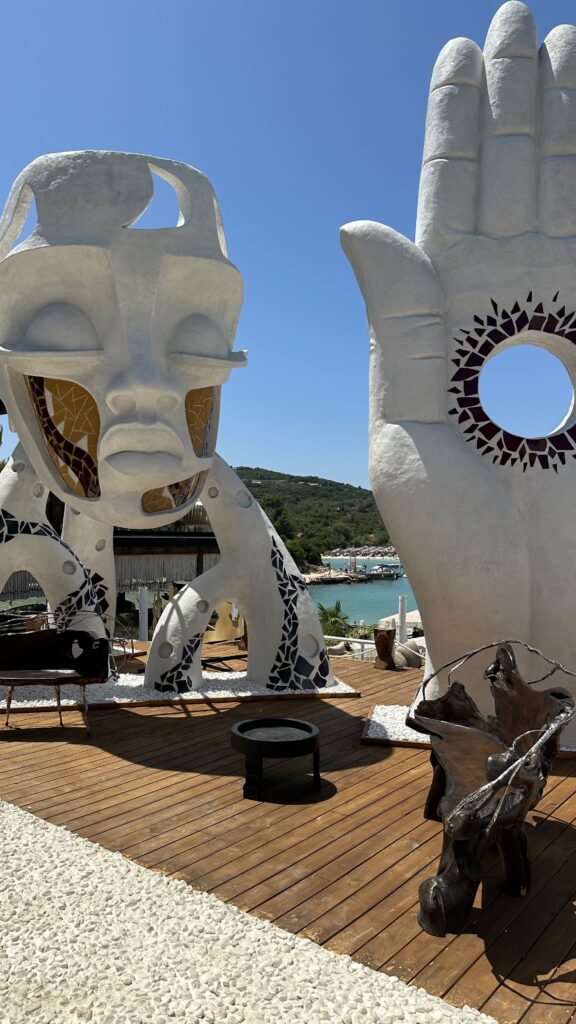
column 342, row 867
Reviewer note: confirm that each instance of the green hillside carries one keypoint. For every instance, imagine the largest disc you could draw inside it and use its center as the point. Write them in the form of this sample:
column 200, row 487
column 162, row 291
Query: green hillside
column 313, row 515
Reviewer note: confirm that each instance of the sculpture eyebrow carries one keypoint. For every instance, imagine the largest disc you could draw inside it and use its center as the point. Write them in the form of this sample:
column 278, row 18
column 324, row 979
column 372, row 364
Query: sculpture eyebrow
column 238, row 359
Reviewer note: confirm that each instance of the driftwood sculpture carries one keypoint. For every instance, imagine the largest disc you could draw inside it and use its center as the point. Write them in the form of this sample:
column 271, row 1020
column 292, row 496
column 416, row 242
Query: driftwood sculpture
column 488, row 773
column 390, row 656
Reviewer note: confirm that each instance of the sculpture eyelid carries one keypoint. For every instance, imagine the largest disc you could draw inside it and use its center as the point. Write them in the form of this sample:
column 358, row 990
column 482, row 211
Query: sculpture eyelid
column 233, row 360
column 53, row 361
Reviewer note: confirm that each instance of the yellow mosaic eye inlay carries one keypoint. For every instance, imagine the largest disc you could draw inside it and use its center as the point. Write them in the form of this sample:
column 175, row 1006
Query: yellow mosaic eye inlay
column 70, row 422
column 199, row 408
column 164, row 499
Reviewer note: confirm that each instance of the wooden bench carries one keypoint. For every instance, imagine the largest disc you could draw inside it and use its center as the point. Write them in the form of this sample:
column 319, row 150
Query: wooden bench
column 56, row 677
column 53, row 658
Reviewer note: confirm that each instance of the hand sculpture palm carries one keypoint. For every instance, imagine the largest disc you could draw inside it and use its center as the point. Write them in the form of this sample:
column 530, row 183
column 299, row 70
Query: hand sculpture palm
column 482, row 519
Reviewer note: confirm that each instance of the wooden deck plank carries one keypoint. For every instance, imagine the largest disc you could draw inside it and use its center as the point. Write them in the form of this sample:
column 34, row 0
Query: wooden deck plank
column 548, row 852
column 453, row 955
column 162, row 785
column 248, row 820
column 258, row 857
column 258, row 871
column 324, row 910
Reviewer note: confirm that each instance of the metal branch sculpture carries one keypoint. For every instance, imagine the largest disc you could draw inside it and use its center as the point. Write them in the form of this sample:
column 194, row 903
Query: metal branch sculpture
column 488, row 773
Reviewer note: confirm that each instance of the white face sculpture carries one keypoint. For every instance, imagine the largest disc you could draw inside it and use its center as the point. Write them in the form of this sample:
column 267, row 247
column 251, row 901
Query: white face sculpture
column 115, row 341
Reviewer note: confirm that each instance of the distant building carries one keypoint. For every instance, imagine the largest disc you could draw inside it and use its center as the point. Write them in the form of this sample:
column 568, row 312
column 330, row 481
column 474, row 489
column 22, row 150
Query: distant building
column 168, row 554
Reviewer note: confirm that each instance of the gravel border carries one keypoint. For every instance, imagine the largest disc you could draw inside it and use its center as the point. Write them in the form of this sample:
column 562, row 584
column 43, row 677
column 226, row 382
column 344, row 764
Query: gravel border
column 129, row 688
column 387, row 724
column 89, row 936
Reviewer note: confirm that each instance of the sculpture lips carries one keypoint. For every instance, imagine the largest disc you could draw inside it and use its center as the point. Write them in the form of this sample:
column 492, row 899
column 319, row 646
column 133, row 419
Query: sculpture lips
column 137, row 450
column 146, row 464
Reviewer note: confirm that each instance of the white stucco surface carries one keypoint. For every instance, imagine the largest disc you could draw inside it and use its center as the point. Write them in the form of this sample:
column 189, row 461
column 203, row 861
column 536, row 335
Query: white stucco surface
column 88, row 936
column 482, row 521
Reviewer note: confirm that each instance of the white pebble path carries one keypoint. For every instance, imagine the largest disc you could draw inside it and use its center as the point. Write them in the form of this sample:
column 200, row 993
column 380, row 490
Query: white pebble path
column 388, row 722
column 129, row 688
column 89, row 936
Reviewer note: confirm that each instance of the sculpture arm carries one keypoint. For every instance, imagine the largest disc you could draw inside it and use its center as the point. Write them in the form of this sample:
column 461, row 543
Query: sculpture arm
column 286, row 649
column 28, row 542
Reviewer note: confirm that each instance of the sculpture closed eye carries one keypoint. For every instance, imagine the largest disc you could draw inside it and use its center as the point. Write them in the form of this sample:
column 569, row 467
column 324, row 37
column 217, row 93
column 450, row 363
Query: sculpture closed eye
column 60, row 327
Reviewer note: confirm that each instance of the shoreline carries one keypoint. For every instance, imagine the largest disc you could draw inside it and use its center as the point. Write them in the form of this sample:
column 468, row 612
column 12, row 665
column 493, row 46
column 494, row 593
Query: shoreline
column 366, row 551
column 328, row 574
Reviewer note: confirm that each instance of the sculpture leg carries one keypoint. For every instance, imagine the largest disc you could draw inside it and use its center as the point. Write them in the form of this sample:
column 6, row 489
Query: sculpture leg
column 437, row 790
column 175, row 660
column 28, row 541
column 93, row 543
column 446, row 900
column 512, row 846
column 287, row 651
column 253, row 781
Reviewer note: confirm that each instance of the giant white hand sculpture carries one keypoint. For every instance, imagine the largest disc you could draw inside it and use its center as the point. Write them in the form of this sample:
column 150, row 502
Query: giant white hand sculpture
column 483, row 519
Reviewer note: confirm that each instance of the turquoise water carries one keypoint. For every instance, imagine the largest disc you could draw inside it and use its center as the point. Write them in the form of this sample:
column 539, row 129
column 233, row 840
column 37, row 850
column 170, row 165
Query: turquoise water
column 368, row 601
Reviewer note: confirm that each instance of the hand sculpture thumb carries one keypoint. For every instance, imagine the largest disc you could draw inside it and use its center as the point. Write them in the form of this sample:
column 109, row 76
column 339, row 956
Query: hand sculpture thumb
column 405, row 309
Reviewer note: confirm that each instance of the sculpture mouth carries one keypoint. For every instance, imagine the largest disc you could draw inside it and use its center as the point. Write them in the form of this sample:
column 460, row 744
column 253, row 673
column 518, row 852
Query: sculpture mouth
column 145, row 464
column 152, row 452
column 141, row 439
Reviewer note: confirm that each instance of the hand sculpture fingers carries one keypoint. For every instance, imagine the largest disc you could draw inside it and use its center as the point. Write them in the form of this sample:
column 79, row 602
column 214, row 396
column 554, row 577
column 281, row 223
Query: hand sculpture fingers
column 481, row 171
column 507, row 182
column 557, row 185
column 448, row 183
column 407, row 340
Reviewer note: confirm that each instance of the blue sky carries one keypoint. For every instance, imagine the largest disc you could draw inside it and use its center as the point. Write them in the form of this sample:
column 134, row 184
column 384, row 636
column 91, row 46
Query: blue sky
column 304, row 114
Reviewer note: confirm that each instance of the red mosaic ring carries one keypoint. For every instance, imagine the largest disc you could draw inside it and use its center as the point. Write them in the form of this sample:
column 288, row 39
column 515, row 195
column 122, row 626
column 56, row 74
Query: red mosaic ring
column 473, row 349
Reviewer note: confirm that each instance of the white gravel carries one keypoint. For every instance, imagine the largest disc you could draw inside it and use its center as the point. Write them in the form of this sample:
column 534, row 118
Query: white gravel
column 387, row 723
column 88, row 936
column 130, row 687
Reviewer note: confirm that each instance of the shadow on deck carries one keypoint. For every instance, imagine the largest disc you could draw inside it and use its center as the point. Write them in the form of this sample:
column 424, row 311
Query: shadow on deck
column 341, row 866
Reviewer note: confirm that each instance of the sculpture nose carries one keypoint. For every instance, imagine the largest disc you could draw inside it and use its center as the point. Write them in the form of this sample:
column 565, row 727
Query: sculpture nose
column 144, row 393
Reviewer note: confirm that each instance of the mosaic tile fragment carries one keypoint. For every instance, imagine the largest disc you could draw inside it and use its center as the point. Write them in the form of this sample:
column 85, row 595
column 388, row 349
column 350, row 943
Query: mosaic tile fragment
column 542, row 453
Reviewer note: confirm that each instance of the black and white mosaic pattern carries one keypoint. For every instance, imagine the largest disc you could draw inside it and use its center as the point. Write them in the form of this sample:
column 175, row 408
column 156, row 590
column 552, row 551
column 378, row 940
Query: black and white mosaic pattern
column 291, row 671
column 474, row 346
column 92, row 595
column 83, row 600
column 11, row 527
column 177, row 679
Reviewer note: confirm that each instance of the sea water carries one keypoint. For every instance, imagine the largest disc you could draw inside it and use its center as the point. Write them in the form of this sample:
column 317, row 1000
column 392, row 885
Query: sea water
column 368, row 601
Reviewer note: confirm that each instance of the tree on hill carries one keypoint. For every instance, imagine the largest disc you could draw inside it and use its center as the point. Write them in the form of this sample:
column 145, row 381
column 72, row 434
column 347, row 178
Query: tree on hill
column 313, row 515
